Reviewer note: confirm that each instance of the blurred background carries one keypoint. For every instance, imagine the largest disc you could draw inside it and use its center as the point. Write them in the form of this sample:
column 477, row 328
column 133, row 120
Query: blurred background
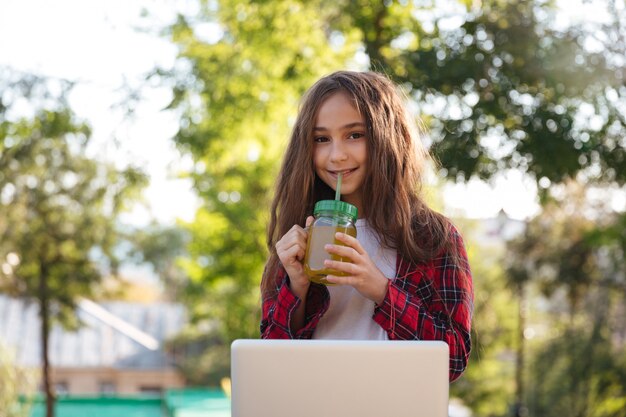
column 139, row 142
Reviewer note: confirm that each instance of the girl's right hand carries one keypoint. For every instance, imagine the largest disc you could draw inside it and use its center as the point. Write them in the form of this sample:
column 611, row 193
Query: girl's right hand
column 291, row 249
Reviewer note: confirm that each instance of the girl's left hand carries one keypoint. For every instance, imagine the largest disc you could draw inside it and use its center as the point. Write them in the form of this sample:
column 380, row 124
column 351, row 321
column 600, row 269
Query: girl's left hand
column 362, row 273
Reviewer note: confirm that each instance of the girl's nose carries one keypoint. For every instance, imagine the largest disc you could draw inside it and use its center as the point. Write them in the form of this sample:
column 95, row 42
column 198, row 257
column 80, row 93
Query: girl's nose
column 338, row 152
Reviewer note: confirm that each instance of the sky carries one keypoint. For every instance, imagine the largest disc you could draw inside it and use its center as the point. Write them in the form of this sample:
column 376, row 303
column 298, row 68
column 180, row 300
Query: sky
column 96, row 43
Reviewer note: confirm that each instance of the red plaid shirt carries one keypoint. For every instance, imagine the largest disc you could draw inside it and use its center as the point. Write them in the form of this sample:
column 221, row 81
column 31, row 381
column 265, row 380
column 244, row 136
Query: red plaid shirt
column 426, row 301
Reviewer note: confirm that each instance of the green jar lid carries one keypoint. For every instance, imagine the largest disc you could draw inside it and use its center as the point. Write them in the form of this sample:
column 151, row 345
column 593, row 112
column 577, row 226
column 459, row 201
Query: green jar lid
column 337, row 206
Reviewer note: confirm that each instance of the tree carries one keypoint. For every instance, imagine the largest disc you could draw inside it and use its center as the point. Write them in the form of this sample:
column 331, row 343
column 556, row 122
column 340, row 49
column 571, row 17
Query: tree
column 502, row 88
column 498, row 84
column 162, row 247
column 236, row 96
column 58, row 207
column 573, row 254
column 15, row 382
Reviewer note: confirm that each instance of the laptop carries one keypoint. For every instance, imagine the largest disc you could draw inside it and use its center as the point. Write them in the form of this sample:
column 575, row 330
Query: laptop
column 339, row 378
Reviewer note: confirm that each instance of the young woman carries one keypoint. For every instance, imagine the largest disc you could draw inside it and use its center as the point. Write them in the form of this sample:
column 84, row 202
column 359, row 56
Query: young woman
column 408, row 277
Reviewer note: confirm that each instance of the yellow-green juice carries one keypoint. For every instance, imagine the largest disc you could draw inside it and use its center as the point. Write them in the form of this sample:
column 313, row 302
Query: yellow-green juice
column 316, row 254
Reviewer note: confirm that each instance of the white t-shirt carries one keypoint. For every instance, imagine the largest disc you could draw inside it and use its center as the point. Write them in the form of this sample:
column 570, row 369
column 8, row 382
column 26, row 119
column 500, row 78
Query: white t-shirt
column 349, row 315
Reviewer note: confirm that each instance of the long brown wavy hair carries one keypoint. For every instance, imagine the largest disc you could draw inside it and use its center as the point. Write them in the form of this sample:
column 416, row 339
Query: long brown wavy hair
column 392, row 189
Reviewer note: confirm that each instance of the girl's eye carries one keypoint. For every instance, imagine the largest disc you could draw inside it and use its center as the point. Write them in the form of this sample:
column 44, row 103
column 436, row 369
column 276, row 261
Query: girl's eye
column 356, row 135
column 320, row 139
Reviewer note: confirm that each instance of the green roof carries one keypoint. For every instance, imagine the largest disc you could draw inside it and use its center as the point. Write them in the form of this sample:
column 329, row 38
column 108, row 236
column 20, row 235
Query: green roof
column 197, row 403
column 101, row 407
column 173, row 403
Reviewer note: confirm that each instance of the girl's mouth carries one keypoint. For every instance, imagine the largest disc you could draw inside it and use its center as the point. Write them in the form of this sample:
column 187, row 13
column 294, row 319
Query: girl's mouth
column 345, row 172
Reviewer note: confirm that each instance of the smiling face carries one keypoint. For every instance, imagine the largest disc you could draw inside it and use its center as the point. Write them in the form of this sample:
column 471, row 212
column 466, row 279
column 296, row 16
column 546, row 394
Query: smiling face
column 341, row 146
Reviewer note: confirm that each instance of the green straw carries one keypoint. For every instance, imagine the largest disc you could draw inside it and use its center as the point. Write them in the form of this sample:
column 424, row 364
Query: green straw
column 338, row 190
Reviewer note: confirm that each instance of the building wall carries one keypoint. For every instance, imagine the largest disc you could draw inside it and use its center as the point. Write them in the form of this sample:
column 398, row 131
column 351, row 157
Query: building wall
column 114, row 381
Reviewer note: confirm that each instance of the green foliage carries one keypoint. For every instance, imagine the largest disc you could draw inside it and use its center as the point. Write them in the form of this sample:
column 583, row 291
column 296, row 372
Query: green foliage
column 203, row 357
column 58, row 207
column 504, row 88
column 572, row 247
column 577, row 374
column 237, row 99
column 161, row 247
column 487, row 385
column 16, row 382
column 574, row 257
column 499, row 87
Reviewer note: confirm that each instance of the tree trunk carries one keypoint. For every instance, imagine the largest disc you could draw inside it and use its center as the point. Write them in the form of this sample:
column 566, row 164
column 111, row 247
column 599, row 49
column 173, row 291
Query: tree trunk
column 519, row 409
column 601, row 309
column 44, row 313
